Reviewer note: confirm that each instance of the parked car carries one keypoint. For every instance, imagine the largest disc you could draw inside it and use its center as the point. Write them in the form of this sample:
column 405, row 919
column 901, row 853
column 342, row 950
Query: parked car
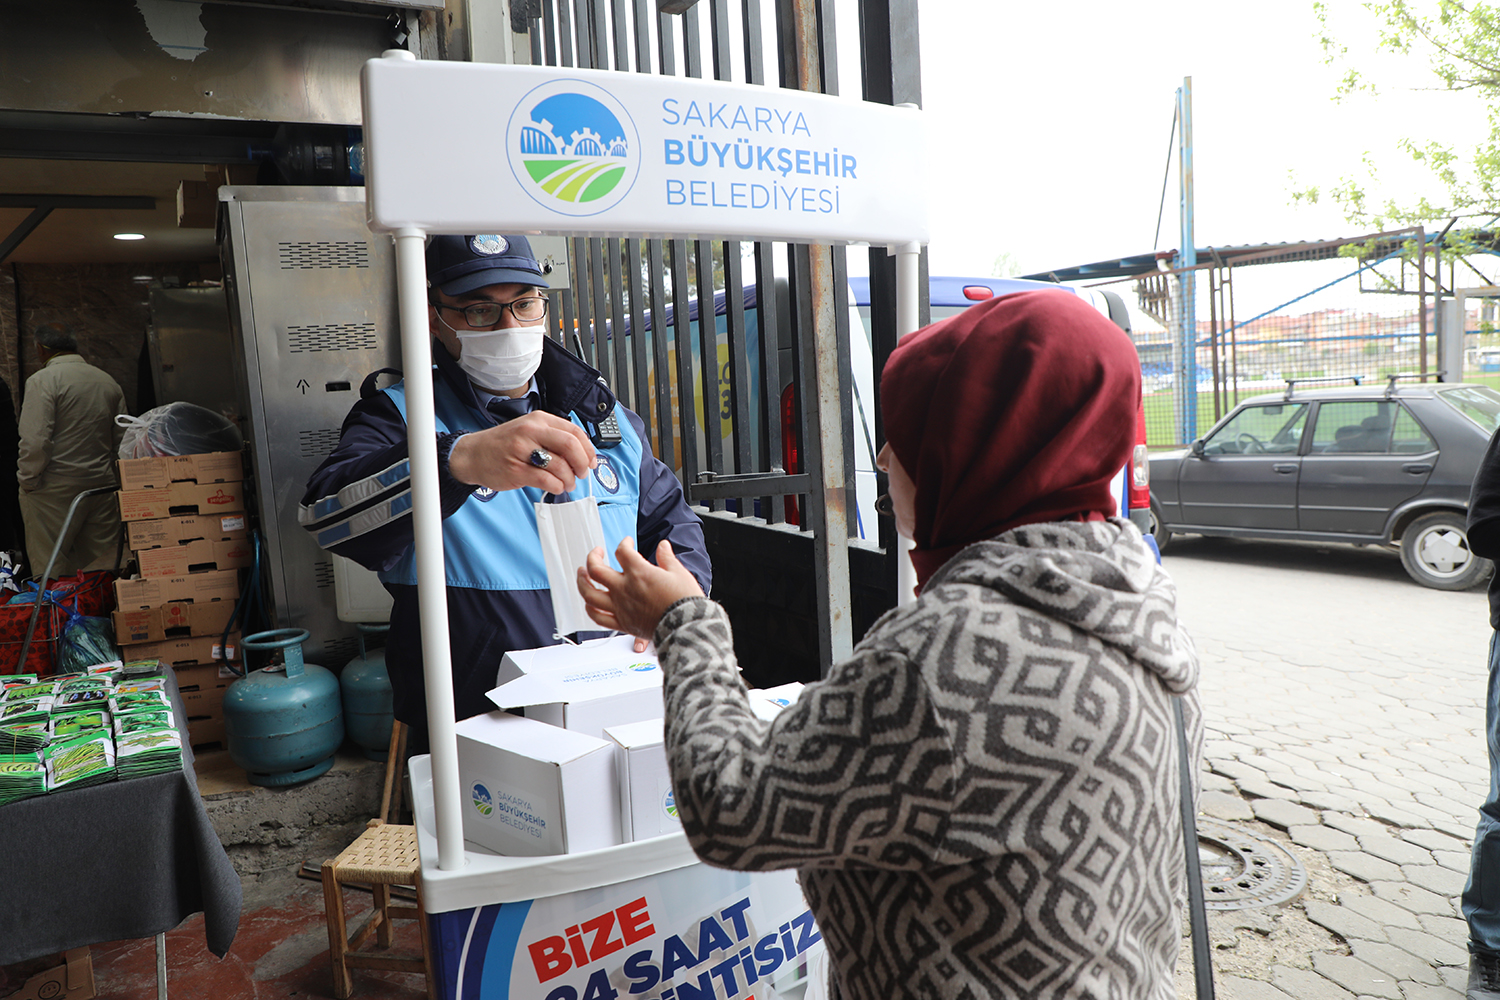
column 1365, row 465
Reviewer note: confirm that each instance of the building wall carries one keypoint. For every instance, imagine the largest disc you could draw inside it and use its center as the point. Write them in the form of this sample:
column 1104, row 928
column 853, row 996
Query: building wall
column 105, row 305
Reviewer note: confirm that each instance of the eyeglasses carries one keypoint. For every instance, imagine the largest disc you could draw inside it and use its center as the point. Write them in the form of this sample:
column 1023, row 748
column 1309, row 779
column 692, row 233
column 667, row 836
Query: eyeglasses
column 487, row 314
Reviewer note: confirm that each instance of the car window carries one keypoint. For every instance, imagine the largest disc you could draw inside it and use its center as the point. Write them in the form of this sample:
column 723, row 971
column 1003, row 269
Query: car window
column 1273, row 428
column 1408, row 436
column 1479, row 403
column 1359, row 425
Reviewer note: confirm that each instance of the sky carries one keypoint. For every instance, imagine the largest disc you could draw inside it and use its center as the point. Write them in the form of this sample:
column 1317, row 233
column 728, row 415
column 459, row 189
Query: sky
column 1063, row 125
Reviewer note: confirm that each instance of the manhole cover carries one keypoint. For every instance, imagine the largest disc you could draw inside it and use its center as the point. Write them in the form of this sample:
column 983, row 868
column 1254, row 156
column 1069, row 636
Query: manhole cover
column 1241, row 871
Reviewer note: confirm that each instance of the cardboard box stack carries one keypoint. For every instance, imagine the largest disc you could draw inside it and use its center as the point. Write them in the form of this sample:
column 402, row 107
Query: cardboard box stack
column 185, row 519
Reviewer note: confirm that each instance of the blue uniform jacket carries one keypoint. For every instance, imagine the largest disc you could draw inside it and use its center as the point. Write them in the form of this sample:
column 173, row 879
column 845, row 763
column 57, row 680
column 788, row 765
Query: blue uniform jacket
column 358, row 504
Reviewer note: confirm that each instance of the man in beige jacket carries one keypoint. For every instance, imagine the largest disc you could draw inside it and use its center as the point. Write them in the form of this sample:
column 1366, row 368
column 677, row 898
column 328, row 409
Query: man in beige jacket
column 69, row 442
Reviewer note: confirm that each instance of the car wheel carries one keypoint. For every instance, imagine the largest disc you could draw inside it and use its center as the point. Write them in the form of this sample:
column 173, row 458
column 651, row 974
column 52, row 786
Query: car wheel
column 1435, row 552
column 1159, row 528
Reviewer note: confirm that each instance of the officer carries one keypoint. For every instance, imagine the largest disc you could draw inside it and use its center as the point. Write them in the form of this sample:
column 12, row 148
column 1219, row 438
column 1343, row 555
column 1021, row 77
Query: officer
column 519, row 420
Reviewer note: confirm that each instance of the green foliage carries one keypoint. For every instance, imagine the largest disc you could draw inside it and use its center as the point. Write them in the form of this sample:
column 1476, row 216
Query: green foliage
column 1460, row 41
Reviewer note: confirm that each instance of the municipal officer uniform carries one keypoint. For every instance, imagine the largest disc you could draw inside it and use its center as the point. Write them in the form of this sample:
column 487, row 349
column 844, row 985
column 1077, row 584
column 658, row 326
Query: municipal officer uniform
column 358, row 504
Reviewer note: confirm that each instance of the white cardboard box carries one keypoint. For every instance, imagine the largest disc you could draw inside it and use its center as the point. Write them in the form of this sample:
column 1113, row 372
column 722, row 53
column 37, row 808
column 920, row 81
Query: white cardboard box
column 531, row 789
column 585, row 687
column 767, row 703
column 647, row 806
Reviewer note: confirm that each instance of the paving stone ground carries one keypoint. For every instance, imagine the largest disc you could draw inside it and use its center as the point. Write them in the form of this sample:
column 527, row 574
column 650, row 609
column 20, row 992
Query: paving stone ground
column 1345, row 720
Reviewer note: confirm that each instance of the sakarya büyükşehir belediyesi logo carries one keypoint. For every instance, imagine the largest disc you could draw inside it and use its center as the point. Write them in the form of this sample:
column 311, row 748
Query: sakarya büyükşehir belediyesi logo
column 573, row 147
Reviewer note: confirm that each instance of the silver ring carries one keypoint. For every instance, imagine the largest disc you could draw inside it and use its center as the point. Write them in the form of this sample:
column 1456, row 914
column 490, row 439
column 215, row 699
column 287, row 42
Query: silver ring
column 540, row 457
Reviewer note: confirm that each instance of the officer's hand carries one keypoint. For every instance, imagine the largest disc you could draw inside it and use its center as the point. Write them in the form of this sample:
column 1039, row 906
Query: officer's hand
column 499, row 458
column 635, row 600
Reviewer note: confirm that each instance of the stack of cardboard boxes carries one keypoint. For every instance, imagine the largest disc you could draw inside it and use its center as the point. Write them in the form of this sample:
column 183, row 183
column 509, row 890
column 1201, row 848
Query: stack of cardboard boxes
column 185, row 520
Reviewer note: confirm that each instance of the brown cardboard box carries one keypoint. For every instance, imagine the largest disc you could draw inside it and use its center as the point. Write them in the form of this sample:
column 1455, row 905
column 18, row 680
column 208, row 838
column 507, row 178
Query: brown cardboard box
column 195, row 205
column 191, row 557
column 176, row 530
column 204, row 677
column 206, row 729
column 199, row 650
column 154, row 591
column 159, row 472
column 182, row 498
column 204, row 700
column 71, row 979
column 178, row 619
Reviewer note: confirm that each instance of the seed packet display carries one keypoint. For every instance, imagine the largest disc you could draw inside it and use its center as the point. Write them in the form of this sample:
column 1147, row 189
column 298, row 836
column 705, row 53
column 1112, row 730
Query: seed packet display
column 22, row 775
column 32, row 710
column 148, row 751
column 77, row 723
column 80, row 761
column 130, row 702
column 81, row 682
column 24, row 737
column 143, row 720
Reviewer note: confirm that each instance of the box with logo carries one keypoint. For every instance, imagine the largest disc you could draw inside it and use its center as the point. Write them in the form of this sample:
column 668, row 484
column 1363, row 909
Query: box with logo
column 72, row 978
column 192, row 651
column 176, row 530
column 767, row 703
column 584, row 687
column 531, row 789
column 178, row 619
column 193, row 557
column 154, row 591
column 647, row 806
column 178, row 499
column 159, row 472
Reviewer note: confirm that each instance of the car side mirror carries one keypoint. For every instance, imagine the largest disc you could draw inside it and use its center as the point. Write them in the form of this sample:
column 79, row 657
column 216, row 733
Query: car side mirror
column 1197, row 448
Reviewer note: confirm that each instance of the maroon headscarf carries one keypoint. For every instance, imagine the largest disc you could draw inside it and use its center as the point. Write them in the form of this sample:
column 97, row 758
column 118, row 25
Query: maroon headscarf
column 1015, row 411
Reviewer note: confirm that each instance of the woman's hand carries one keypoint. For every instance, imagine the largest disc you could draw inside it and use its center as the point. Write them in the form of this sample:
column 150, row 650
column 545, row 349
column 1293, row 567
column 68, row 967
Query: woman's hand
column 634, row 600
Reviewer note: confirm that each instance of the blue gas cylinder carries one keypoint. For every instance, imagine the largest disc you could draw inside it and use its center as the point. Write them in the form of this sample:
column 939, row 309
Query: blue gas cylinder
column 283, row 722
column 369, row 708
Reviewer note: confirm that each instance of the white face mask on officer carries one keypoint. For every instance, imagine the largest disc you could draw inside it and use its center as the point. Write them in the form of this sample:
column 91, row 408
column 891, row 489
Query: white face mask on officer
column 500, row 360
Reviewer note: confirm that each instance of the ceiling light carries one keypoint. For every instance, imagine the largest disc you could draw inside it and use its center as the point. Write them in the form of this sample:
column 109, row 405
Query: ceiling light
column 129, row 236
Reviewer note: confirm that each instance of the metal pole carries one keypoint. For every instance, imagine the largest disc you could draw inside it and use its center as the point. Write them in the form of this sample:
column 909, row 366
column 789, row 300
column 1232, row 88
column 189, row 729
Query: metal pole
column 432, row 584
column 908, row 291
column 823, row 406
column 1187, row 336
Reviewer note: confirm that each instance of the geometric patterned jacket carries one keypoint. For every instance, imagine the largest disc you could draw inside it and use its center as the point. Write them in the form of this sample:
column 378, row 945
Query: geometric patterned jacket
column 983, row 800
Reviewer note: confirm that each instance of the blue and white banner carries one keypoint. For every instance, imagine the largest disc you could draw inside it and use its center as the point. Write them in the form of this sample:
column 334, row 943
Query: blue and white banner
column 457, row 147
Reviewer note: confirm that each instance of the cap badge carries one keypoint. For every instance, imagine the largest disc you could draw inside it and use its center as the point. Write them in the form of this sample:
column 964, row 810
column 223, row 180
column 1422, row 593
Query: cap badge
column 489, row 246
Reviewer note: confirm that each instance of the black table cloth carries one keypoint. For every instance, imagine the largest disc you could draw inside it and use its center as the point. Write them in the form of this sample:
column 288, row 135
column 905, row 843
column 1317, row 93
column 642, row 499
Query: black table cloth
column 126, row 859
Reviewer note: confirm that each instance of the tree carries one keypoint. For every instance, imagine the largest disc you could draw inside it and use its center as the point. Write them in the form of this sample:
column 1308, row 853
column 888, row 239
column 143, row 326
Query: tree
column 1460, row 40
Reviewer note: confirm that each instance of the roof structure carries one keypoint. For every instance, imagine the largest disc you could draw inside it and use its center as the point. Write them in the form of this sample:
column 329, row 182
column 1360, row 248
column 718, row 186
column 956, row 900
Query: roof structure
column 1250, row 253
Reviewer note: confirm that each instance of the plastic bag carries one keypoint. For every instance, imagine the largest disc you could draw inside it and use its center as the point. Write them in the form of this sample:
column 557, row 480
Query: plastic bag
column 568, row 533
column 176, row 429
column 85, row 641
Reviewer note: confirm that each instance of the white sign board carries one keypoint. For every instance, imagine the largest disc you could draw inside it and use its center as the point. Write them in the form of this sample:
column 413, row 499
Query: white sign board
column 596, row 153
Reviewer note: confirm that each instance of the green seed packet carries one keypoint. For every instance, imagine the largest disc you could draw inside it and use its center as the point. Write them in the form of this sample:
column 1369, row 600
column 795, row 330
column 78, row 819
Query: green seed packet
column 80, row 681
column 129, row 686
column 129, row 702
column 106, row 669
column 143, row 720
column 21, row 777
column 148, row 751
column 140, row 668
column 74, row 723
column 80, row 761
column 26, row 692
column 80, row 700
column 24, row 737
column 34, row 710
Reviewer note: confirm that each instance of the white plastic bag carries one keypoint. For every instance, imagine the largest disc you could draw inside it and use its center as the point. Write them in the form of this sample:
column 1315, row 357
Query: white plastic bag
column 569, row 532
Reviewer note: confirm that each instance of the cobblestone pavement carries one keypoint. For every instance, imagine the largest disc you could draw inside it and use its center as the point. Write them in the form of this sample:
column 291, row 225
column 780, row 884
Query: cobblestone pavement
column 1344, row 709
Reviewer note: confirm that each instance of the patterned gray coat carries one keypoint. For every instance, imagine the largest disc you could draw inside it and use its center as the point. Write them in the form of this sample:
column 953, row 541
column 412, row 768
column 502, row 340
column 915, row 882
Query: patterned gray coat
column 983, row 800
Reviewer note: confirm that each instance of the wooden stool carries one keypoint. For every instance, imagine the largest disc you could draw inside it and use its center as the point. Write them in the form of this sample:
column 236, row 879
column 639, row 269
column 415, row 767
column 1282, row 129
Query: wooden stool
column 383, row 856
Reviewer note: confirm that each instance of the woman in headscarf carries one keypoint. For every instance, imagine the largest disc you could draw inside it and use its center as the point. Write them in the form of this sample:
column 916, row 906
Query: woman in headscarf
column 984, row 800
